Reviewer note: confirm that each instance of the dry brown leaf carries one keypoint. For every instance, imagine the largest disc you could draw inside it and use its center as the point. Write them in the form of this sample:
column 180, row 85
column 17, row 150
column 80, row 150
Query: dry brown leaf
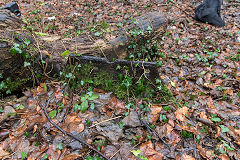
column 155, row 109
column 169, row 128
column 70, row 118
column 191, row 129
column 120, row 108
column 72, row 157
column 50, row 39
column 58, row 94
column 3, row 153
column 202, row 151
column 218, row 82
column 237, row 131
column 223, row 157
column 208, row 76
column 52, row 154
column 203, row 115
column 174, row 138
column 114, row 105
column 209, row 85
column 187, row 157
column 97, row 90
column 171, row 122
column 153, row 118
column 80, row 128
column 210, row 103
column 229, row 92
column 35, row 128
column 181, row 112
column 148, row 150
column 40, row 89
column 46, row 52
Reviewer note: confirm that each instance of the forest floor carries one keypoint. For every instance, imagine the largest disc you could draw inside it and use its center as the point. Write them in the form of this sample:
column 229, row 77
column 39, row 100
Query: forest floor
column 199, row 63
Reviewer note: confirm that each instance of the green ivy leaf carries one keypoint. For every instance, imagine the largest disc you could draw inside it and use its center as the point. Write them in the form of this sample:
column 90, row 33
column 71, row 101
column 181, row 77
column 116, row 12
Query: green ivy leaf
column 84, row 98
column 20, row 107
column 136, row 152
column 11, row 114
column 97, row 34
column 173, row 84
column 92, row 106
column 23, row 155
column 93, row 97
column 216, row 119
column 41, row 34
column 227, row 147
column 224, row 129
column 27, row 41
column 53, row 113
column 45, row 87
column 238, row 95
column 59, row 146
column 8, row 91
column 65, row 53
column 76, row 107
column 45, row 156
column 84, row 106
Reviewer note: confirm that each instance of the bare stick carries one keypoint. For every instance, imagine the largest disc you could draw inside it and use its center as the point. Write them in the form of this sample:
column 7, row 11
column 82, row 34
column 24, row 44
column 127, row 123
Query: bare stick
column 69, row 134
column 105, row 121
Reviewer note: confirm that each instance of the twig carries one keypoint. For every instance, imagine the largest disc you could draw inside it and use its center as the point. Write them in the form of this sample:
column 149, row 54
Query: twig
column 105, row 121
column 69, row 134
column 206, row 122
column 124, row 156
column 115, row 154
column 68, row 108
column 152, row 130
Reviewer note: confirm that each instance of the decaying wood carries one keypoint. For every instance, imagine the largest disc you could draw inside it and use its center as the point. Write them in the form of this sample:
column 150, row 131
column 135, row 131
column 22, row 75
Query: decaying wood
column 136, row 69
column 116, row 48
column 10, row 66
column 9, row 21
column 11, row 32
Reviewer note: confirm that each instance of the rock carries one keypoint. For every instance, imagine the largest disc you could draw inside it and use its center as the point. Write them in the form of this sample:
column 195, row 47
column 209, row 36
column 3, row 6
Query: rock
column 8, row 111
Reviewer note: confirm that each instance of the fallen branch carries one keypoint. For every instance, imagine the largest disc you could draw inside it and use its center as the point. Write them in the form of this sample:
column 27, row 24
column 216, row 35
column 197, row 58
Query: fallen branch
column 69, row 134
column 152, row 130
column 105, row 121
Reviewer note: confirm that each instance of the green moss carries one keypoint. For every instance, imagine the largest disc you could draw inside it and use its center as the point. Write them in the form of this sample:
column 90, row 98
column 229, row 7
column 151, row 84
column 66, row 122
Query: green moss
column 122, row 86
column 86, row 76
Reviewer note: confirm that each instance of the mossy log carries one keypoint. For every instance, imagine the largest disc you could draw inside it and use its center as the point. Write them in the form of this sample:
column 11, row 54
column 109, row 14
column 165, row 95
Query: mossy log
column 14, row 66
column 18, row 55
column 11, row 66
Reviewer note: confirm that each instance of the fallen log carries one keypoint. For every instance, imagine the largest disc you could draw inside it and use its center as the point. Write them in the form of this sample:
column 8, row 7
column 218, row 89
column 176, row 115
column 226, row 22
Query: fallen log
column 11, row 66
column 21, row 60
column 152, row 25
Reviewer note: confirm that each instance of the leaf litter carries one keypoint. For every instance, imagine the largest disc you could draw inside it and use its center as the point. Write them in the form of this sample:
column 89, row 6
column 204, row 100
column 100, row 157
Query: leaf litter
column 201, row 68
